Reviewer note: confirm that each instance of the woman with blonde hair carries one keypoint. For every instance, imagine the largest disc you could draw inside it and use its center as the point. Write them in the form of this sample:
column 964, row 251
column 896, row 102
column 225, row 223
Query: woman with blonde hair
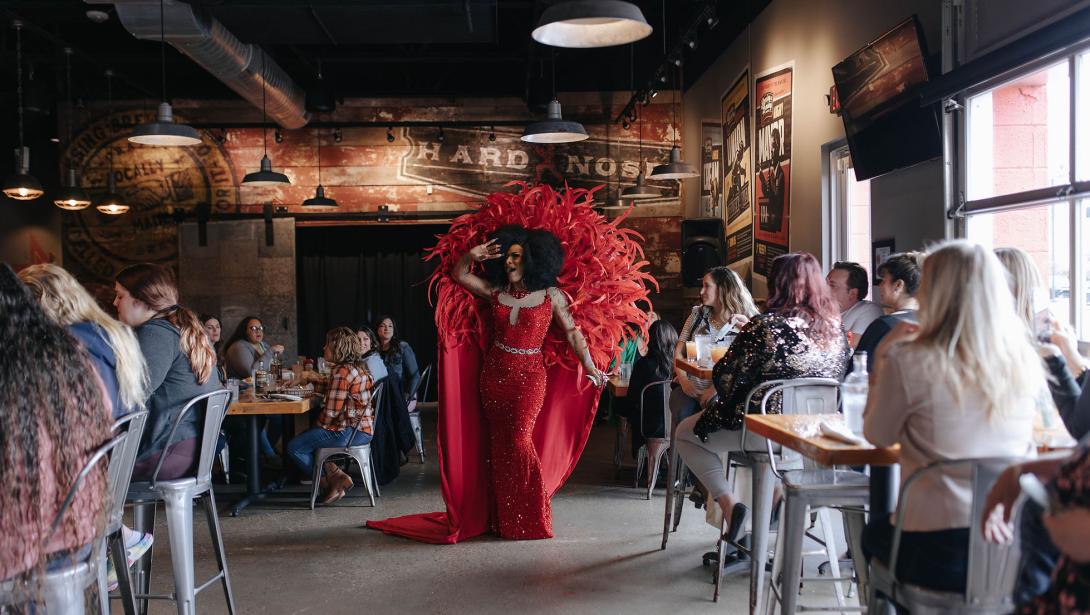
column 111, row 345
column 960, row 384
column 180, row 361
column 725, row 306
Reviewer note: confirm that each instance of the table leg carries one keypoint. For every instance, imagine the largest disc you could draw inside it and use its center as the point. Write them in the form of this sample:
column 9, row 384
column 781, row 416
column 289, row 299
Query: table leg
column 883, row 489
column 253, row 471
column 762, row 516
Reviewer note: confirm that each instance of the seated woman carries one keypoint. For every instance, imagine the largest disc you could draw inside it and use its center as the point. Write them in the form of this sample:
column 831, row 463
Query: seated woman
column 399, row 358
column 657, row 364
column 393, row 436
column 55, row 414
column 725, row 305
column 797, row 336
column 960, row 384
column 371, row 357
column 214, row 329
column 247, row 351
column 181, row 366
column 347, row 390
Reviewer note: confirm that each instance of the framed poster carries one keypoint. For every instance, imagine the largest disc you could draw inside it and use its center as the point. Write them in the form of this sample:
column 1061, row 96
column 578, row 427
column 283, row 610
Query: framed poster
column 737, row 193
column 772, row 177
column 711, row 175
column 881, row 250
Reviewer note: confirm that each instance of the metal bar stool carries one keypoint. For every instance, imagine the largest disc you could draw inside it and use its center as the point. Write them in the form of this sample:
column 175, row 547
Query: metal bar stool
column 652, row 451
column 360, row 452
column 177, row 496
column 420, row 395
column 121, row 464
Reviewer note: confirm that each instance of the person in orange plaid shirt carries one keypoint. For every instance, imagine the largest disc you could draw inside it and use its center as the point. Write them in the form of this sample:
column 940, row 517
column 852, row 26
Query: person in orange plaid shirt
column 347, row 392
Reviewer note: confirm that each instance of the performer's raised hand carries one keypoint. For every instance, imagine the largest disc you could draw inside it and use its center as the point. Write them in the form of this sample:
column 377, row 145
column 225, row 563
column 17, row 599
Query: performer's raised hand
column 486, row 251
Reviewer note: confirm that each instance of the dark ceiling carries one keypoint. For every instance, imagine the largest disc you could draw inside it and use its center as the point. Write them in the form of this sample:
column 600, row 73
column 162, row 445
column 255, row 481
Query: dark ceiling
column 363, row 48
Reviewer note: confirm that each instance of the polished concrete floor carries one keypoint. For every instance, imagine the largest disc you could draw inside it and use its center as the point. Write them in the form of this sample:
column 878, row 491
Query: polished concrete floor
column 285, row 558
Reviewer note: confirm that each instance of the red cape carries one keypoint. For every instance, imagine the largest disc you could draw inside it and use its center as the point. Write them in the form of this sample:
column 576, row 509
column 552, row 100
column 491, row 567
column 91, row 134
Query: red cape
column 560, row 434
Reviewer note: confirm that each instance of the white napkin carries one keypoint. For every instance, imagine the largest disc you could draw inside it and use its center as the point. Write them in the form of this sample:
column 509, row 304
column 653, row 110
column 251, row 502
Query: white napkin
column 839, row 432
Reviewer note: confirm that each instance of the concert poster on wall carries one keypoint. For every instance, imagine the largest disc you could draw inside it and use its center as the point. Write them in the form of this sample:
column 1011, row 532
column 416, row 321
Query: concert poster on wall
column 772, row 176
column 734, row 116
column 711, row 192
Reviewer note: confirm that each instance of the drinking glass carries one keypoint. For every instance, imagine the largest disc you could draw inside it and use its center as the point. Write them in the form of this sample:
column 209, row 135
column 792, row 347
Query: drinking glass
column 718, row 352
column 232, row 386
column 690, row 350
column 703, row 347
column 624, row 374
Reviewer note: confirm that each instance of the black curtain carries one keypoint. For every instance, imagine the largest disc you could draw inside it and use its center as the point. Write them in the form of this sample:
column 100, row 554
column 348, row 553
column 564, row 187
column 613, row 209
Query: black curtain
column 351, row 275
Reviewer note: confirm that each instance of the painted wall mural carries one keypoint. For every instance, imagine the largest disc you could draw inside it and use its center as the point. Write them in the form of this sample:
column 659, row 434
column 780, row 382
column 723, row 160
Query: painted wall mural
column 420, row 170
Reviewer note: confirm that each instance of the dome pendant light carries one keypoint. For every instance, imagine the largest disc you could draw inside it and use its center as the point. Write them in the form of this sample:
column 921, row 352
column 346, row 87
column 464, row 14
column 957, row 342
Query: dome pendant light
column 554, row 128
column 319, row 199
column 72, row 197
column 111, row 203
column 163, row 131
column 591, row 23
column 676, row 168
column 21, row 186
column 265, row 176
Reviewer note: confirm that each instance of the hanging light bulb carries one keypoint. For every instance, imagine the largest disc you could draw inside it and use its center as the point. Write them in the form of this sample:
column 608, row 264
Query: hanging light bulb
column 71, row 197
column 675, row 168
column 591, row 23
column 111, row 202
column 265, row 176
column 319, row 199
column 163, row 131
column 21, row 185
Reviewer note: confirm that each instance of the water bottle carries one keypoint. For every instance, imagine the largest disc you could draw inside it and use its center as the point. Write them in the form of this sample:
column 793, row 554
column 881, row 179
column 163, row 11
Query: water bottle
column 854, row 393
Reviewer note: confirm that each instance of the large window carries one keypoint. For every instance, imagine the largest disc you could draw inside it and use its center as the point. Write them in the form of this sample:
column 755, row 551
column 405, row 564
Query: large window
column 1027, row 180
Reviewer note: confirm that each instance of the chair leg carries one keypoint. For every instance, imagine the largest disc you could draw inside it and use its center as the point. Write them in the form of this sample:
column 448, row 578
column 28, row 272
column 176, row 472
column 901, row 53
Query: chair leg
column 641, row 458
column 225, row 463
column 679, row 491
column 100, row 577
column 761, row 479
column 773, row 589
column 721, row 546
column 795, row 516
column 179, row 508
column 315, row 478
column 64, row 595
column 418, row 433
column 667, row 515
column 209, row 501
column 654, row 454
column 371, row 469
column 827, row 535
column 853, row 530
column 143, row 522
column 364, row 462
column 116, row 544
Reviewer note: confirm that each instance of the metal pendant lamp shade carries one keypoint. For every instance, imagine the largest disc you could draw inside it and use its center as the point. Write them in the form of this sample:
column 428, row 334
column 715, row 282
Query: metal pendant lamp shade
column 265, row 176
column 320, row 199
column 675, row 169
column 21, row 185
column 640, row 190
column 591, row 23
column 72, row 197
column 164, row 132
column 112, row 204
column 554, row 128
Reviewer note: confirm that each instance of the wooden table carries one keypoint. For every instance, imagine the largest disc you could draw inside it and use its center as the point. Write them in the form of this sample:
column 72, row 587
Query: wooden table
column 690, row 367
column 616, row 389
column 802, row 433
column 251, row 407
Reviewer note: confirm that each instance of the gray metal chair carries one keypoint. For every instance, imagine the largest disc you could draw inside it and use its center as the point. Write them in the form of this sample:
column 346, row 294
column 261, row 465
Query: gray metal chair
column 809, row 488
column 360, row 452
column 652, row 451
column 63, row 589
column 178, row 496
column 675, row 490
column 992, row 569
column 420, row 395
column 120, row 474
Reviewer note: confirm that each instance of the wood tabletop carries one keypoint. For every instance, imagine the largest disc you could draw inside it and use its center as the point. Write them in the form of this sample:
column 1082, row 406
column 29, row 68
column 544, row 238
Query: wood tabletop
column 801, row 433
column 247, row 404
column 617, row 389
column 690, row 367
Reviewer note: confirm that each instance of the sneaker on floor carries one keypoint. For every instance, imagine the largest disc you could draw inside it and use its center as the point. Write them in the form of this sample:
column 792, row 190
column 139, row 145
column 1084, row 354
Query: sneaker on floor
column 135, row 552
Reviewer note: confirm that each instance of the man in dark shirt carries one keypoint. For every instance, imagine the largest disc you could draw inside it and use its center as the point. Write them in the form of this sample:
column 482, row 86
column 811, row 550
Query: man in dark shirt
column 899, row 279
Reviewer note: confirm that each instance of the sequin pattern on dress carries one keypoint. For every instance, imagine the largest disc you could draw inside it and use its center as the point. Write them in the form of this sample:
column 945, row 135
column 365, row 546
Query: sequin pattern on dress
column 512, row 390
column 769, row 347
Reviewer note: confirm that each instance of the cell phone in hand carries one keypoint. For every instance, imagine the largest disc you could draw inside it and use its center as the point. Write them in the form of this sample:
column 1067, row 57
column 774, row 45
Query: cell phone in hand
column 1036, row 491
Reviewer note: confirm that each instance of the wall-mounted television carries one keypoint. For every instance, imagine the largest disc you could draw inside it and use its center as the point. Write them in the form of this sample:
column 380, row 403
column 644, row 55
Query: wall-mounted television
column 879, row 91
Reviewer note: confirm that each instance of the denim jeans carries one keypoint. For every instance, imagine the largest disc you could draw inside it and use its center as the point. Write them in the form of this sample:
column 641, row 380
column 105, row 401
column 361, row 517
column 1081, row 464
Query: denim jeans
column 1039, row 556
column 935, row 560
column 301, row 448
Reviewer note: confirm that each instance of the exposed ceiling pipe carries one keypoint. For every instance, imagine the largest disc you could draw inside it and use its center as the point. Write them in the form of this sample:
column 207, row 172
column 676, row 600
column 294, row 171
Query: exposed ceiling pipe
column 211, row 45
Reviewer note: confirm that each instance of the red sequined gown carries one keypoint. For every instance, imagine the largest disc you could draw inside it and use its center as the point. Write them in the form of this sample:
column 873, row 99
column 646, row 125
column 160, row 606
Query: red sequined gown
column 512, row 391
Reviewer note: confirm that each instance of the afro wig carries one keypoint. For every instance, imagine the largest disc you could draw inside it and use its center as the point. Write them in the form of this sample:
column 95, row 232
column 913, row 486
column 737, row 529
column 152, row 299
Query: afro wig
column 542, row 259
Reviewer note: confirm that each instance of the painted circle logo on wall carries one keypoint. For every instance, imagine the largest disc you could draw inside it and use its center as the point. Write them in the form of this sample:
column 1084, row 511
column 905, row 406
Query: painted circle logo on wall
column 156, row 182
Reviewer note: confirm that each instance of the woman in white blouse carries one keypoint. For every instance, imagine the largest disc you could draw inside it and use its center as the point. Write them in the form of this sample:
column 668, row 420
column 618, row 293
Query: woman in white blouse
column 962, row 383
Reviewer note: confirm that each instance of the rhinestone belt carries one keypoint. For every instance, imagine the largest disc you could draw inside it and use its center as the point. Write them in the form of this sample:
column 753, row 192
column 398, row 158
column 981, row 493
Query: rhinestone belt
column 507, row 348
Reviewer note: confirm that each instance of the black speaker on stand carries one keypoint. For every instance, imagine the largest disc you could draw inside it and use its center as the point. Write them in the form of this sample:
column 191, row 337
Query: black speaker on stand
column 703, row 246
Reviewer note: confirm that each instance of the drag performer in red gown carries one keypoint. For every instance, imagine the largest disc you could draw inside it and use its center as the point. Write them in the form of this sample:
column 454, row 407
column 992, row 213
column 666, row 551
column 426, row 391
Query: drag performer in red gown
column 515, row 410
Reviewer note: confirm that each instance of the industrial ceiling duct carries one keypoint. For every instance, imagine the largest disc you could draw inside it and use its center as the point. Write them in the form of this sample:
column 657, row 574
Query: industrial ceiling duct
column 212, row 46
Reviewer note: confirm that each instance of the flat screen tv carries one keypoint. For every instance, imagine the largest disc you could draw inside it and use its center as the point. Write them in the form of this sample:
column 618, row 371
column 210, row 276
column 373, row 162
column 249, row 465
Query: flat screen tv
column 879, row 92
